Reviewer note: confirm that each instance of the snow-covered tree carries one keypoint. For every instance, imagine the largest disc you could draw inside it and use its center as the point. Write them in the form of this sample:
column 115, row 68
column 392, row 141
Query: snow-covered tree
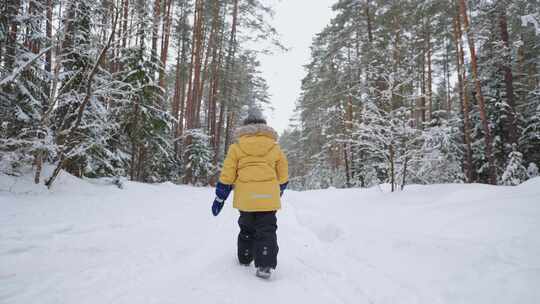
column 439, row 160
column 200, row 156
column 515, row 173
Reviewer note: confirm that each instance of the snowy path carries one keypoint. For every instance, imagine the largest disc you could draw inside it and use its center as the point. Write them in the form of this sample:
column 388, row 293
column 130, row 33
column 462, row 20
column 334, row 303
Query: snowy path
column 87, row 243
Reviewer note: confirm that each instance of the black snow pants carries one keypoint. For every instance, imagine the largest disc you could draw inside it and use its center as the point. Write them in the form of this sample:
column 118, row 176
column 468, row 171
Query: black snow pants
column 257, row 239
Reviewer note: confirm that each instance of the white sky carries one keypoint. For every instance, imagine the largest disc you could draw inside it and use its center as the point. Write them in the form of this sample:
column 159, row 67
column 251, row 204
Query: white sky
column 297, row 21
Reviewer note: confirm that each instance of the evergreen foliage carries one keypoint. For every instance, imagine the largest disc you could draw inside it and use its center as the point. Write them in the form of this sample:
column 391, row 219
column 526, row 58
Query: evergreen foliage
column 515, row 173
column 397, row 98
column 87, row 87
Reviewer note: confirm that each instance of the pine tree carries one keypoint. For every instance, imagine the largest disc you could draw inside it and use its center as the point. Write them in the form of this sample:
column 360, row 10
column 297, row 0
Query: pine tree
column 515, row 173
column 200, row 156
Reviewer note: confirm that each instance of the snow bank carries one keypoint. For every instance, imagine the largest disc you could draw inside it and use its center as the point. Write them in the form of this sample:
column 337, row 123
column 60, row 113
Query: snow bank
column 90, row 242
column 65, row 183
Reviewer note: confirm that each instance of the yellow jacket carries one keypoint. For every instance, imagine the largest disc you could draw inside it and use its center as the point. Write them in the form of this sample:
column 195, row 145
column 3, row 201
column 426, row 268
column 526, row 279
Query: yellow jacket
column 256, row 166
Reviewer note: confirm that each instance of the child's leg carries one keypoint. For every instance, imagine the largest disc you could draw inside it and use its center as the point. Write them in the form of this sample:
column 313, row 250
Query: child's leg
column 246, row 221
column 266, row 246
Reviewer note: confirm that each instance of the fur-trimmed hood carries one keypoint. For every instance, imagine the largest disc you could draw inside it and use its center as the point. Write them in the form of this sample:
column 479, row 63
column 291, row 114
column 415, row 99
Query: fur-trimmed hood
column 255, row 129
column 256, row 139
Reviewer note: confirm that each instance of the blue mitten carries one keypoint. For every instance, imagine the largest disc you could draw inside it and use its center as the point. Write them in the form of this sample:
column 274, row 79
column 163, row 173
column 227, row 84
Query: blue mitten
column 282, row 188
column 217, row 206
column 222, row 192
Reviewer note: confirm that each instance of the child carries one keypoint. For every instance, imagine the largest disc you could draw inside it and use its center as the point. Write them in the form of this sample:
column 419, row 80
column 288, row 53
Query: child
column 257, row 169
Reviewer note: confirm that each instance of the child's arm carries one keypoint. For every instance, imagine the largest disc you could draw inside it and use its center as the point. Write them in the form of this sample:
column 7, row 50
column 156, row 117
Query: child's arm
column 282, row 169
column 226, row 180
column 230, row 167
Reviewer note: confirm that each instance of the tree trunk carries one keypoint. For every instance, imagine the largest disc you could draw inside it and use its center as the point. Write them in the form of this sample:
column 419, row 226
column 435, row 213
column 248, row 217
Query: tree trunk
column 464, row 98
column 198, row 43
column 165, row 45
column 48, row 33
column 348, row 120
column 34, row 45
column 35, row 48
column 347, row 168
column 195, row 76
column 370, row 42
column 392, row 173
column 38, row 162
column 396, row 99
column 125, row 24
column 175, row 109
column 429, row 78
column 212, row 117
column 11, row 45
column 211, row 51
column 132, row 168
column 423, row 90
column 404, row 174
column 447, row 80
column 140, row 163
column 368, row 18
column 227, row 96
column 115, row 47
column 480, row 97
column 510, row 124
column 180, row 81
column 155, row 29
column 228, row 130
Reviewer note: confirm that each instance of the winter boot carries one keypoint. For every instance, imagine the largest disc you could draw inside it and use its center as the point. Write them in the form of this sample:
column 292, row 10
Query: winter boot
column 264, row 272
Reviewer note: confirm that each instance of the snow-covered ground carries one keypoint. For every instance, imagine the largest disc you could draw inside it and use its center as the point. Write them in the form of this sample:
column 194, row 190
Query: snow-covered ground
column 89, row 242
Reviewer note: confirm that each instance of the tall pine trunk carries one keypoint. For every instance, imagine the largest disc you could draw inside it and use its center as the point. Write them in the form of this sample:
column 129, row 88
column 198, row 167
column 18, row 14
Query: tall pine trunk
column 480, row 97
column 227, row 94
column 510, row 124
column 125, row 24
column 155, row 29
column 210, row 53
column 11, row 46
column 464, row 98
column 166, row 33
column 429, row 78
column 180, row 80
column 194, row 79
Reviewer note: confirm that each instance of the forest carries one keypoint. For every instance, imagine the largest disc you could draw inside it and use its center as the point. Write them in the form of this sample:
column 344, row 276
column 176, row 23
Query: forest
column 420, row 92
column 397, row 92
column 148, row 90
